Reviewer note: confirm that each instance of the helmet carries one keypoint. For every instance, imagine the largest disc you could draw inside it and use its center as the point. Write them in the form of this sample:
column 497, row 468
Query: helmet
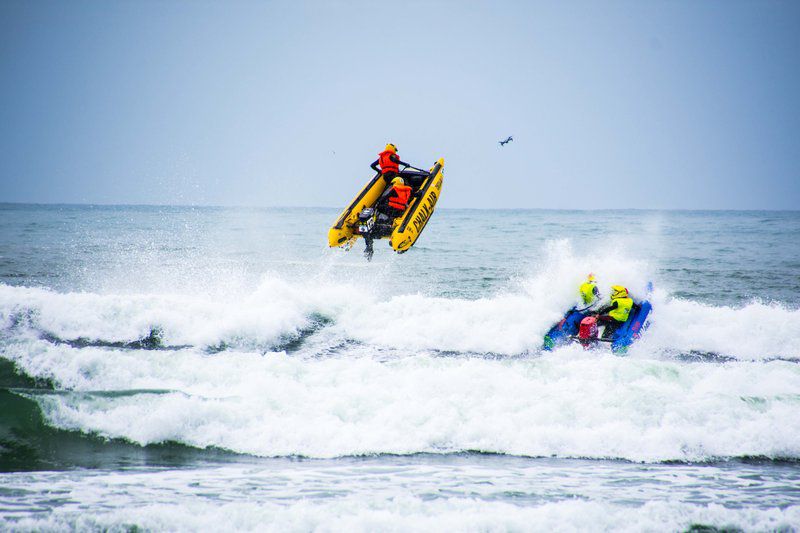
column 398, row 181
column 618, row 291
column 590, row 277
column 391, row 148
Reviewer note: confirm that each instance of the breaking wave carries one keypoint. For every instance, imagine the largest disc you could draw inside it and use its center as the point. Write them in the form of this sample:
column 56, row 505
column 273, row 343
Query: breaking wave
column 305, row 369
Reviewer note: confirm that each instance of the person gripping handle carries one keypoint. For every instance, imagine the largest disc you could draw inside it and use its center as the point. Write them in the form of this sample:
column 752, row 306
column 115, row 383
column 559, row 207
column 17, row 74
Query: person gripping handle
column 388, row 163
column 616, row 313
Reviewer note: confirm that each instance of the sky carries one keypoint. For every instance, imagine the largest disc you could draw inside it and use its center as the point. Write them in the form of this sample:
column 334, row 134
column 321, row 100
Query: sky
column 615, row 104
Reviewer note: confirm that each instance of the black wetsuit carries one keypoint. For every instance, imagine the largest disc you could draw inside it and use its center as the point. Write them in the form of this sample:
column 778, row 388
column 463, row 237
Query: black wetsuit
column 611, row 323
column 382, row 204
column 385, row 215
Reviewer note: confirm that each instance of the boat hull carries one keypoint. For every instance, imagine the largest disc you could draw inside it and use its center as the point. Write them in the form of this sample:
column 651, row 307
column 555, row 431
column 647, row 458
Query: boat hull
column 407, row 227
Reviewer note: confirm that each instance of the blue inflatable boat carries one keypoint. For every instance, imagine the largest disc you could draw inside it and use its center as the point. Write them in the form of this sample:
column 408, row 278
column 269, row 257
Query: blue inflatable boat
column 574, row 328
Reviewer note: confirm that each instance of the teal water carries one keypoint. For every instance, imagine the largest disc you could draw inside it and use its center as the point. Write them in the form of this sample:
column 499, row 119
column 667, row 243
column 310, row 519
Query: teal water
column 173, row 367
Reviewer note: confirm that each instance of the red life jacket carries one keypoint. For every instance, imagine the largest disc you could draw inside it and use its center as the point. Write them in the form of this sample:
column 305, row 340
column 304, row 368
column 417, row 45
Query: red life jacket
column 399, row 200
column 386, row 163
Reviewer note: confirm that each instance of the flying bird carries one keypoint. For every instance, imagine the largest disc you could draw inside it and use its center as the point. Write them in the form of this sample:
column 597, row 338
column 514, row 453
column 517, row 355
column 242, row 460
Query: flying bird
column 503, row 143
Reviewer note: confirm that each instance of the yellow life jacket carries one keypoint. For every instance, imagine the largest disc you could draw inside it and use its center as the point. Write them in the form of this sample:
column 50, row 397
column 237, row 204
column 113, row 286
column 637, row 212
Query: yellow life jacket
column 620, row 314
column 587, row 292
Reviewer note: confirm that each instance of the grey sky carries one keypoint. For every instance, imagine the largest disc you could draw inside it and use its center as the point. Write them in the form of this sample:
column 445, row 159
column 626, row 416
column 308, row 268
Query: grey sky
column 611, row 105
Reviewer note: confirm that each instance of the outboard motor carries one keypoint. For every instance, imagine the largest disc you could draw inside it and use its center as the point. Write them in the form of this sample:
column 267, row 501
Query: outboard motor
column 587, row 333
column 366, row 220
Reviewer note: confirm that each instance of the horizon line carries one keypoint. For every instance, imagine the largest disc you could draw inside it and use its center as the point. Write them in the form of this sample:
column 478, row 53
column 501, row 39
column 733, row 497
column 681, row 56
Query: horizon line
column 244, row 206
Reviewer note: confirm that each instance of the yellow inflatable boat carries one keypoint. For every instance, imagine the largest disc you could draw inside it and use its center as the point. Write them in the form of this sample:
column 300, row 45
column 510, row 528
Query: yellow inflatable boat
column 361, row 219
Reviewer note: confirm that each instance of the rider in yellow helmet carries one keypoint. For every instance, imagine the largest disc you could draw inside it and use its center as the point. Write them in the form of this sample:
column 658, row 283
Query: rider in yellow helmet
column 616, row 313
column 388, row 163
column 588, row 291
column 394, row 199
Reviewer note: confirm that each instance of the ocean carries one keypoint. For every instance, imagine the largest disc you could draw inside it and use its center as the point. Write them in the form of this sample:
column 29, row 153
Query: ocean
column 202, row 368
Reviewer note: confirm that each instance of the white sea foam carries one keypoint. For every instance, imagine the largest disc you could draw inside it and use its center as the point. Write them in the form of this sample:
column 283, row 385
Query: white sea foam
column 567, row 404
column 509, row 322
column 408, row 513
column 274, row 308
column 468, row 493
column 393, row 391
